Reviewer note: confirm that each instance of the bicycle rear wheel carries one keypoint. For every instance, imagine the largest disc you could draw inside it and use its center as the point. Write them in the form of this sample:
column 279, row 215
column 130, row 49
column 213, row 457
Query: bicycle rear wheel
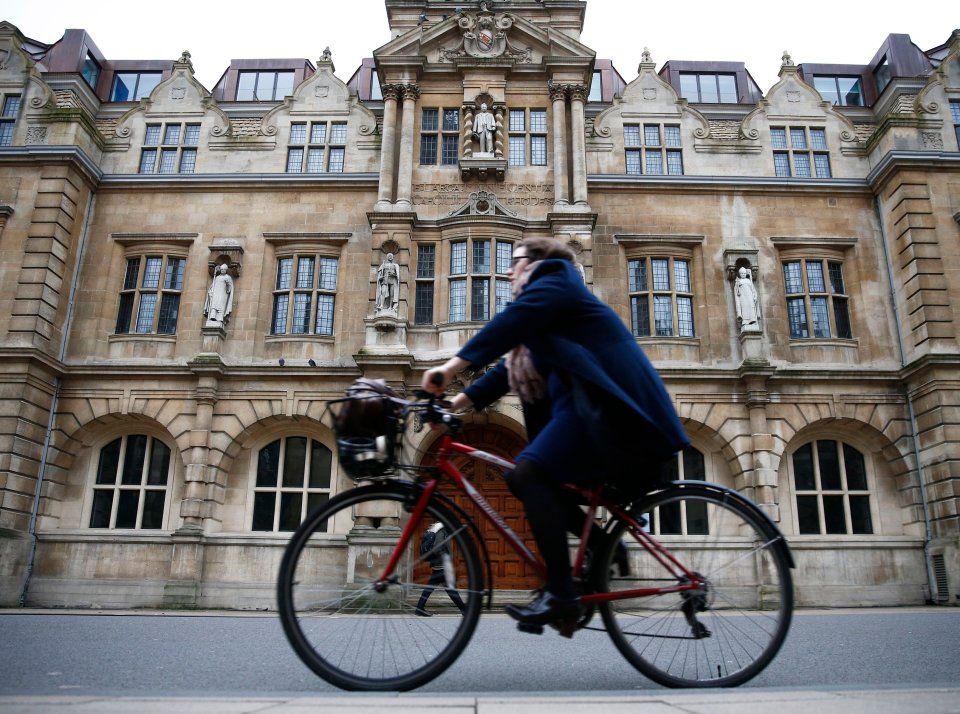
column 721, row 634
column 361, row 635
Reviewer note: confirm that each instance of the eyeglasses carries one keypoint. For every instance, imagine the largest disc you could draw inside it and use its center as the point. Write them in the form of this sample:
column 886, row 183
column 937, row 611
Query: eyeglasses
column 516, row 259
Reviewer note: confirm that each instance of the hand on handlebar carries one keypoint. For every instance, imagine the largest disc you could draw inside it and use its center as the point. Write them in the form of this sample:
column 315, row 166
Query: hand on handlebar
column 434, row 381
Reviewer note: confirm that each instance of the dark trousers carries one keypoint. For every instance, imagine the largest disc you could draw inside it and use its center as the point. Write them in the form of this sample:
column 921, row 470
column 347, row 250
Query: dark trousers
column 437, row 578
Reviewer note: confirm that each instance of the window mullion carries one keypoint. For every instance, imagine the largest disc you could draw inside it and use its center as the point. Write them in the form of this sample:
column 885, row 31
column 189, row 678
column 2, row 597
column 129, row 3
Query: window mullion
column 828, row 294
column 844, row 486
column 144, row 470
column 281, row 464
column 307, row 468
column 115, row 501
column 821, row 514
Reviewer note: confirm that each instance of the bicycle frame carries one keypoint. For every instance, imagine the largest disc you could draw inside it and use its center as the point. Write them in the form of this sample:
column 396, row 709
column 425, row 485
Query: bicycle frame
column 688, row 580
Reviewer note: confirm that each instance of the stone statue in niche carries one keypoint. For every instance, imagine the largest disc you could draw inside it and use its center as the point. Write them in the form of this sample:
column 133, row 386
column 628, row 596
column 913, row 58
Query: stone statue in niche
column 219, row 303
column 484, row 128
column 747, row 301
column 388, row 285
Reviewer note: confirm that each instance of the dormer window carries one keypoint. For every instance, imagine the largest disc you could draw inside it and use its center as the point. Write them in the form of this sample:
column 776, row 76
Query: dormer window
column 882, row 75
column 91, row 71
column 133, row 86
column 842, row 91
column 708, row 87
column 264, row 86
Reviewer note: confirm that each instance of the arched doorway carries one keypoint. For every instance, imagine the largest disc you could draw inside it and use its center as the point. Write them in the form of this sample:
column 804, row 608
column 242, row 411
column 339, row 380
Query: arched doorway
column 509, row 571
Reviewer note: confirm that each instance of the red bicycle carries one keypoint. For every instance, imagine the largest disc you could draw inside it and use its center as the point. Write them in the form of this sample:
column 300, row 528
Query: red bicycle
column 707, row 603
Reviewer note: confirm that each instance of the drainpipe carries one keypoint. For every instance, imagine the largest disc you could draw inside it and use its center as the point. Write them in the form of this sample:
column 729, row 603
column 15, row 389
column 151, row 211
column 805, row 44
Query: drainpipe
column 57, row 383
column 931, row 578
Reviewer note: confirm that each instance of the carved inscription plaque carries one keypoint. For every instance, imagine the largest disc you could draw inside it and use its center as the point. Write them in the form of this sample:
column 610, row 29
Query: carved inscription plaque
column 509, row 194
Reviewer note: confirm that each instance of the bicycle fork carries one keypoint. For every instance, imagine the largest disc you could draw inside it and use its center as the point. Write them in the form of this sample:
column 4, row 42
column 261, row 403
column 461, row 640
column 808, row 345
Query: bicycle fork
column 419, row 508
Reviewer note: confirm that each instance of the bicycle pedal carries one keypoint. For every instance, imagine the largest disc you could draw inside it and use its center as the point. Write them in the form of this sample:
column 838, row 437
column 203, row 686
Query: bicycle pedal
column 532, row 629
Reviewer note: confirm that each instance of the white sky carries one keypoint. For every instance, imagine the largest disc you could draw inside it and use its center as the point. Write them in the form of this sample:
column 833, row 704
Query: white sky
column 750, row 31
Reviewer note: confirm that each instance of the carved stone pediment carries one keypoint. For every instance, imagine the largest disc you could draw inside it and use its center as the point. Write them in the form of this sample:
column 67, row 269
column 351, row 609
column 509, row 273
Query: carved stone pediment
column 485, row 36
column 482, row 203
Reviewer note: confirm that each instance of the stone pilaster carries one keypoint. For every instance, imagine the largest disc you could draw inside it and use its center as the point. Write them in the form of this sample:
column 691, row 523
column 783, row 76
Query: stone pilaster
column 558, row 96
column 391, row 93
column 411, row 93
column 761, row 484
column 48, row 256
column 578, row 144
column 196, row 504
column 919, row 265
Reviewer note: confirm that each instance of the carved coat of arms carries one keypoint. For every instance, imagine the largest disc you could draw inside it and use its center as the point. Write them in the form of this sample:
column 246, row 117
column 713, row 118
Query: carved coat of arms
column 485, row 40
column 485, row 35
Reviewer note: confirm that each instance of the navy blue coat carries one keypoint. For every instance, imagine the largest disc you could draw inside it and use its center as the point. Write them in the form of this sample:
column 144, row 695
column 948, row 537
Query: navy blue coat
column 618, row 395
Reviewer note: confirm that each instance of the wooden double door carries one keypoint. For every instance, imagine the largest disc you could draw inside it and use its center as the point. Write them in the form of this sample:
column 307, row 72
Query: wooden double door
column 510, row 572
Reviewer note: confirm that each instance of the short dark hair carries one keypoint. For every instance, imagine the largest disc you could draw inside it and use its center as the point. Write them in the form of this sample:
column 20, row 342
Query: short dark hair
column 544, row 248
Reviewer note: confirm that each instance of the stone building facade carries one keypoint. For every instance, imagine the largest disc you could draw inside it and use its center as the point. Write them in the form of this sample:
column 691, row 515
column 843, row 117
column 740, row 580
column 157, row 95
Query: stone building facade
column 789, row 258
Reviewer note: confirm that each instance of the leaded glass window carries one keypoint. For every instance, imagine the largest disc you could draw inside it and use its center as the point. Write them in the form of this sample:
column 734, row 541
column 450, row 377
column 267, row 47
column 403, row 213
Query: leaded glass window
column 293, row 478
column 150, row 297
column 813, row 299
column 661, row 288
column 831, row 489
column 658, row 154
column 131, row 484
column 304, row 295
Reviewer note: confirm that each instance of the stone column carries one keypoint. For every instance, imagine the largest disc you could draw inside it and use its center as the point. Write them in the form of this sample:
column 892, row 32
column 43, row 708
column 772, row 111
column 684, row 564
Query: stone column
column 467, row 136
column 388, row 147
column 498, row 133
column 411, row 93
column 558, row 96
column 578, row 144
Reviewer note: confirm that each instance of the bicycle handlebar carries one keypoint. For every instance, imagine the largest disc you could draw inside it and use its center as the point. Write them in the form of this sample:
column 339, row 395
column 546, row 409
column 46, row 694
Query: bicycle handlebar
column 430, row 407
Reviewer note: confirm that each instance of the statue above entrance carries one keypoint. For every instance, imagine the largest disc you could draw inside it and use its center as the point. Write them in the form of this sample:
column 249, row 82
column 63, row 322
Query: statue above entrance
column 484, row 128
column 483, row 137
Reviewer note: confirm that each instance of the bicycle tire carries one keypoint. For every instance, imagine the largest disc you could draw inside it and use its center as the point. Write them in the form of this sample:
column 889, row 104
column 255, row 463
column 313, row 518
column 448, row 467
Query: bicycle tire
column 346, row 631
column 739, row 620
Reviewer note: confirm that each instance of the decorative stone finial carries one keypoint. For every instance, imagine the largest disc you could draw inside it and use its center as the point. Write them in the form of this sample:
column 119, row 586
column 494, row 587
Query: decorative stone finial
column 646, row 56
column 326, row 57
column 786, row 60
column 185, row 59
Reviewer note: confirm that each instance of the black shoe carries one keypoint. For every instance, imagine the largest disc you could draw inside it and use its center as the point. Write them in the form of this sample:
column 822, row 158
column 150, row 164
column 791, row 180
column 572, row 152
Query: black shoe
column 546, row 610
column 422, row 613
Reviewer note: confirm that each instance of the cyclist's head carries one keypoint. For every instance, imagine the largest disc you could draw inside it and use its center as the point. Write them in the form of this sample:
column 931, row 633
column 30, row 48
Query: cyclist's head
column 544, row 248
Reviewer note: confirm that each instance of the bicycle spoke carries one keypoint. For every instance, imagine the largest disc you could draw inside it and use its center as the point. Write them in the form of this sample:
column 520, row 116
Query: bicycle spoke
column 359, row 632
column 724, row 631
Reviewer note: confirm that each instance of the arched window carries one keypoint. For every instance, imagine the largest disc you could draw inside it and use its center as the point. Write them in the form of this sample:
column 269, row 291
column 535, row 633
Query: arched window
column 130, row 491
column 831, row 489
column 293, row 478
column 688, row 518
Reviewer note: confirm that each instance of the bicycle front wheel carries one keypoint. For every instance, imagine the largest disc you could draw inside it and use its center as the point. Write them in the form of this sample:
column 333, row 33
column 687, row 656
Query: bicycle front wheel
column 722, row 633
column 361, row 634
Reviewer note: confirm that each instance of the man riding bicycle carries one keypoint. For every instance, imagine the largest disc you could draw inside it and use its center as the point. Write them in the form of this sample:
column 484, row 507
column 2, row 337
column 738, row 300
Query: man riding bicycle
column 592, row 402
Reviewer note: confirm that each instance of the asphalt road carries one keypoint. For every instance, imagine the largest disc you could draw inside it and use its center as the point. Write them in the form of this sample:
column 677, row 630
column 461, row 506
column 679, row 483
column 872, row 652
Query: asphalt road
column 173, row 654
